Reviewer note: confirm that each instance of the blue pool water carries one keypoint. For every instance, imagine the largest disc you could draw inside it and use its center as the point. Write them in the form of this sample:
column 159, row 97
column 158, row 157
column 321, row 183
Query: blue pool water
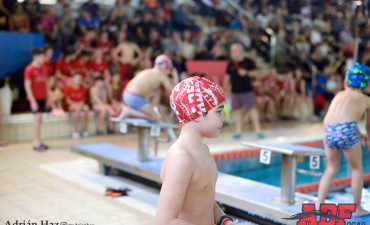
column 250, row 168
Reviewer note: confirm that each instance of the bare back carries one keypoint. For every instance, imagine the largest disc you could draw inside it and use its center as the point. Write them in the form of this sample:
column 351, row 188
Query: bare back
column 147, row 81
column 198, row 201
column 347, row 105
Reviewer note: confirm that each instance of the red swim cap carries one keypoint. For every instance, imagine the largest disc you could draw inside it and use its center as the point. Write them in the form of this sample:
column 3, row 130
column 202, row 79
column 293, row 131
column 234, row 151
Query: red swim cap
column 195, row 96
column 163, row 62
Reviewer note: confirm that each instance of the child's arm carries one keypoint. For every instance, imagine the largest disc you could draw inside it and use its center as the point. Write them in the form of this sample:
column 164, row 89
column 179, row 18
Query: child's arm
column 367, row 127
column 217, row 211
column 177, row 175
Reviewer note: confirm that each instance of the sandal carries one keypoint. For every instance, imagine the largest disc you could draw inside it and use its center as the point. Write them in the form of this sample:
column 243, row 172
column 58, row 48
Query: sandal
column 40, row 148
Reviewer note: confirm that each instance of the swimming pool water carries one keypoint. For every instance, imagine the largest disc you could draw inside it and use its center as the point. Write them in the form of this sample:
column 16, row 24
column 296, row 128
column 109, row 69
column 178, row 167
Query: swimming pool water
column 250, row 168
column 345, row 196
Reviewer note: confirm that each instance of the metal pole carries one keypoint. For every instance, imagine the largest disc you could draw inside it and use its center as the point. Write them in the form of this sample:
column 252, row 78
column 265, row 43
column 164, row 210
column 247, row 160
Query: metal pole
column 355, row 54
column 288, row 178
column 144, row 147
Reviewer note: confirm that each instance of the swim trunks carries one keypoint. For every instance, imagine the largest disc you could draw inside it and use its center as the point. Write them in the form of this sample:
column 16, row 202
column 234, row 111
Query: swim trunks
column 341, row 135
column 134, row 100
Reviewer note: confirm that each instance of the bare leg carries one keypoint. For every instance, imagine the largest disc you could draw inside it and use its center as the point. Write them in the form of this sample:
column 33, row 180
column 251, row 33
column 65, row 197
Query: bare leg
column 37, row 129
column 76, row 119
column 86, row 112
column 238, row 116
column 102, row 114
column 255, row 120
column 333, row 157
column 354, row 159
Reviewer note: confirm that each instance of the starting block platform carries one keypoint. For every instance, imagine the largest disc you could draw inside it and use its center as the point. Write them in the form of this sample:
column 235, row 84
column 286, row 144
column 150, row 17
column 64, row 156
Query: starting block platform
column 250, row 196
column 289, row 154
column 147, row 128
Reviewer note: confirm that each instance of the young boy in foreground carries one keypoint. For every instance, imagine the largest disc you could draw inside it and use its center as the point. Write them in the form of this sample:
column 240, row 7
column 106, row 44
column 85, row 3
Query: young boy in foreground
column 341, row 133
column 189, row 172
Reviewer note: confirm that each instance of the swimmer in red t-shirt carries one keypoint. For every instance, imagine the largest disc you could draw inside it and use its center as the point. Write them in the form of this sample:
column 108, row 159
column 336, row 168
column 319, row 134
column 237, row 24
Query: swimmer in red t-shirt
column 75, row 95
column 35, row 85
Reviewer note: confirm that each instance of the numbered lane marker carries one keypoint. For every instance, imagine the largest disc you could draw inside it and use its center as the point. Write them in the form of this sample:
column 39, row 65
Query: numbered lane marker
column 155, row 131
column 314, row 162
column 265, row 156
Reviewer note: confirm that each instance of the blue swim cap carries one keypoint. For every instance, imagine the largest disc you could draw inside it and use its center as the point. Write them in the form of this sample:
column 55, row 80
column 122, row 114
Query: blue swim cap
column 358, row 76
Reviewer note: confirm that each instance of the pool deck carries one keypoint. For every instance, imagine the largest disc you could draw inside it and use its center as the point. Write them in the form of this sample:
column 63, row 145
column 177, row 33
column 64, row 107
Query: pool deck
column 59, row 185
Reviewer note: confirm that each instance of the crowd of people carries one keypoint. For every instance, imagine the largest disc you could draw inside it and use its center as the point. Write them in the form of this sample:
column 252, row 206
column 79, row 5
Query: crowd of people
column 102, row 48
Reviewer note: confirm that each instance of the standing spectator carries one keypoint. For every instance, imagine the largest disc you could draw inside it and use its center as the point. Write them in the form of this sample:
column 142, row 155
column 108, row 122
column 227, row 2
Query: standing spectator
column 75, row 95
column 87, row 21
column 67, row 27
column 99, row 100
column 19, row 21
column 4, row 16
column 92, row 7
column 35, row 85
column 239, row 73
column 128, row 55
column 32, row 8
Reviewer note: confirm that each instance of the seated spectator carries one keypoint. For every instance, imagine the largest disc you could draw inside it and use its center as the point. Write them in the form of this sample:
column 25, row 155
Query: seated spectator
column 49, row 65
column 115, row 92
column 81, row 64
column 143, row 29
column 301, row 97
column 87, row 41
column 264, row 103
column 162, row 24
column 98, row 66
column 272, row 89
column 187, row 48
column 154, row 44
column 19, row 21
column 100, row 104
column 4, row 16
column 91, row 7
column 32, row 8
column 287, row 93
column 67, row 27
column 211, row 27
column 48, row 26
column 112, row 24
column 181, row 18
column 87, row 22
column 106, row 45
column 75, row 95
column 65, row 66
column 171, row 47
column 54, row 97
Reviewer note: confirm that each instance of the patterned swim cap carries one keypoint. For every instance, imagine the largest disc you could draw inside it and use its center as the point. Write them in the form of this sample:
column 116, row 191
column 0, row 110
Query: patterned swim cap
column 163, row 62
column 358, row 76
column 195, row 96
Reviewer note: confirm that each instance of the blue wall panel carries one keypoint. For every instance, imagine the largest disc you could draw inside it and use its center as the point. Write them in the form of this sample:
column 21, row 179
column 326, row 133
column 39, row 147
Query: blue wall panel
column 15, row 50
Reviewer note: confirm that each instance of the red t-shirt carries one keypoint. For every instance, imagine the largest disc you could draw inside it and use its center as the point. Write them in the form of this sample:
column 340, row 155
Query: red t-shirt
column 273, row 84
column 65, row 68
column 75, row 95
column 49, row 68
column 98, row 67
column 80, row 67
column 38, row 79
column 105, row 46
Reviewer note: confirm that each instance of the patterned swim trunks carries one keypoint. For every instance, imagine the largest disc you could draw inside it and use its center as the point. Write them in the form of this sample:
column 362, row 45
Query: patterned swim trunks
column 341, row 135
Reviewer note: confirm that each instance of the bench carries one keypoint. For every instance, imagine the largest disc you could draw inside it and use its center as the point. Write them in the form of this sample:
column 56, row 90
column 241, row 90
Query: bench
column 146, row 127
column 289, row 153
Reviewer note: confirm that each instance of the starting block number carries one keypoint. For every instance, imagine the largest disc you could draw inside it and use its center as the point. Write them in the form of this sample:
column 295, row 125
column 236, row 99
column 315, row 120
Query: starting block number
column 314, row 162
column 123, row 127
column 265, row 156
column 155, row 131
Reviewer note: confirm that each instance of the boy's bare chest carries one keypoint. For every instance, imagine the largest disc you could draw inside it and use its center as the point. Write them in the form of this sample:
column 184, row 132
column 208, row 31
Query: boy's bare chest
column 205, row 174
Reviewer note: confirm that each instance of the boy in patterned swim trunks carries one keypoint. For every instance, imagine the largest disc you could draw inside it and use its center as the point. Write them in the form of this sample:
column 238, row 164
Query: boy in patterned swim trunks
column 342, row 133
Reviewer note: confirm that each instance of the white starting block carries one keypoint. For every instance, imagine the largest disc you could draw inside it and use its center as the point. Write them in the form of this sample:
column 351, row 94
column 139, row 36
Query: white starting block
column 289, row 153
column 146, row 128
